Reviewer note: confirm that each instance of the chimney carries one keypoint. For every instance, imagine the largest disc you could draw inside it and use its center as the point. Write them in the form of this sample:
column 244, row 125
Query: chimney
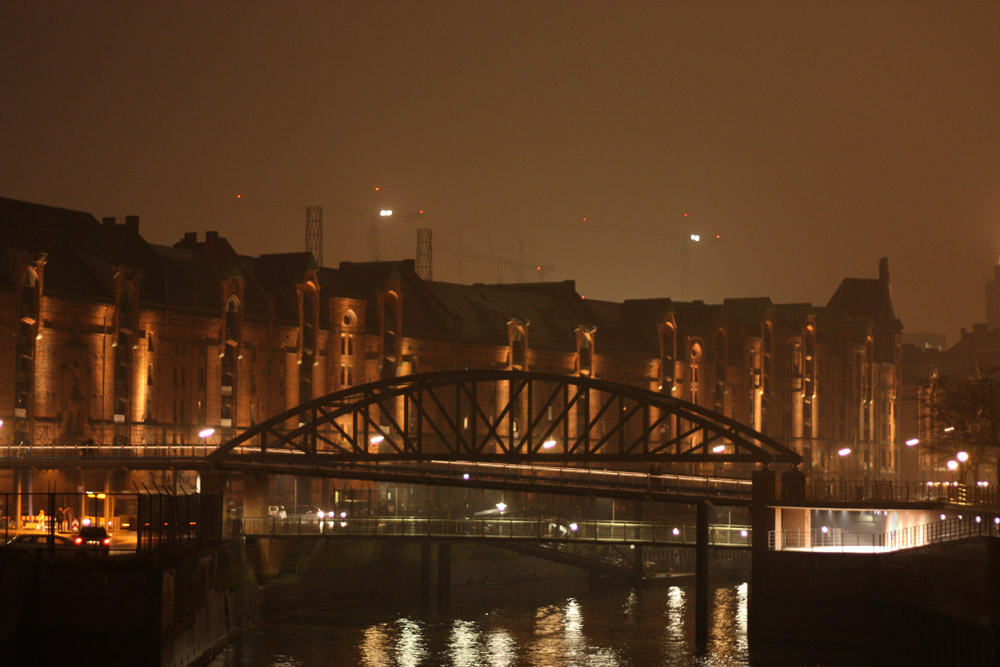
column 190, row 237
column 132, row 223
column 211, row 236
column 883, row 273
column 108, row 221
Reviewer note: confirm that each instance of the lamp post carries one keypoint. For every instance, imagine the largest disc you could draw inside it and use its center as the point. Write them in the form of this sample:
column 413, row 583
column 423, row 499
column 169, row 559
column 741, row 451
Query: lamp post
column 962, row 458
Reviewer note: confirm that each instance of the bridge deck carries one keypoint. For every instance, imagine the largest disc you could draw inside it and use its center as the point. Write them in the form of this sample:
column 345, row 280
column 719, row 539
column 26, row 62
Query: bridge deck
column 499, row 529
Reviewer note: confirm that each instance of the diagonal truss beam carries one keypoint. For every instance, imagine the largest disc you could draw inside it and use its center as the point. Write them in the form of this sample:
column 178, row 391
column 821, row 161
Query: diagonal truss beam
column 506, row 415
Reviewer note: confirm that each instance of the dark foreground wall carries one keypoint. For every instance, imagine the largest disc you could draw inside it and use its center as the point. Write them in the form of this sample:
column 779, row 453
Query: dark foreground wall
column 934, row 605
column 179, row 612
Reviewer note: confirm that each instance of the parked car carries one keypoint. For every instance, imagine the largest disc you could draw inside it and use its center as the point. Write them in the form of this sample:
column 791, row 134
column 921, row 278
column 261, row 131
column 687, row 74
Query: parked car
column 94, row 538
column 33, row 542
column 277, row 511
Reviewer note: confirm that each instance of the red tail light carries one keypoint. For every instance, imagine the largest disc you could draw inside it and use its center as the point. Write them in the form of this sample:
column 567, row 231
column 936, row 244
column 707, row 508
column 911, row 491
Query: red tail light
column 107, row 540
column 78, row 540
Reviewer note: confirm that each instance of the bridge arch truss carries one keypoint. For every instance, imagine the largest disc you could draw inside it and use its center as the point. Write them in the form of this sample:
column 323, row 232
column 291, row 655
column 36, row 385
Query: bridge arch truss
column 509, row 416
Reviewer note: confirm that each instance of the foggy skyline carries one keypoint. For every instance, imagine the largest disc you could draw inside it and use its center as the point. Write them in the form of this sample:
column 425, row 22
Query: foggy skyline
column 813, row 138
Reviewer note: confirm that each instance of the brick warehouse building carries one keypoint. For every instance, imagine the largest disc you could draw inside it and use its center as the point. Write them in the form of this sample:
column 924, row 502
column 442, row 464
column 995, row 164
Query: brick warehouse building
column 117, row 342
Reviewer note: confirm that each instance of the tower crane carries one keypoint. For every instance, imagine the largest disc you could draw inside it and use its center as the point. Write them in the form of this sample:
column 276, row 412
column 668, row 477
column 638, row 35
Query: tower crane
column 520, row 265
column 314, row 222
column 687, row 241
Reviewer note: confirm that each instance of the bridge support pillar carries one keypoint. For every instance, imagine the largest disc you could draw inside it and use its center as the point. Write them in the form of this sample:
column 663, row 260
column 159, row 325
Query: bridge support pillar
column 255, row 489
column 425, row 572
column 211, row 481
column 761, row 523
column 701, row 574
column 444, row 575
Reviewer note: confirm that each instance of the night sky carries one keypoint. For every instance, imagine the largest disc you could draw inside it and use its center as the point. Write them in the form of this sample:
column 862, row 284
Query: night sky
column 813, row 137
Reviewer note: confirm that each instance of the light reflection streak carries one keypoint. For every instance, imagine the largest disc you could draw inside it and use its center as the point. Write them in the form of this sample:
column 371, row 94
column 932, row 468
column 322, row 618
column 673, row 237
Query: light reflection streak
column 632, row 607
column 464, row 644
column 410, row 650
column 376, row 645
column 675, row 614
column 501, row 649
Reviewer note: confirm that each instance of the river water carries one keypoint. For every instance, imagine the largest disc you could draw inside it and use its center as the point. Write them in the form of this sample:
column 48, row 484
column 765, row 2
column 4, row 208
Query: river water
column 556, row 626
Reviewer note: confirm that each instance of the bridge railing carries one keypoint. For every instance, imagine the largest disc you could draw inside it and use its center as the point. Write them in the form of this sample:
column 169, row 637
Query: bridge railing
column 836, row 540
column 620, row 532
column 107, row 451
column 891, row 491
column 570, row 476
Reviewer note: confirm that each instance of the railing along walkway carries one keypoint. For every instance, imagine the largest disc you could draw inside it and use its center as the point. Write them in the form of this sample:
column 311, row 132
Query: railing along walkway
column 533, row 530
column 833, row 540
column 901, row 492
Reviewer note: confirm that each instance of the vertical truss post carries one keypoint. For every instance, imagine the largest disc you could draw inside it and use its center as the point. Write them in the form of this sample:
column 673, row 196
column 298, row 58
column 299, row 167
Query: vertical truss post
column 459, row 442
column 529, row 417
column 473, row 413
column 621, row 422
column 420, row 419
column 565, row 416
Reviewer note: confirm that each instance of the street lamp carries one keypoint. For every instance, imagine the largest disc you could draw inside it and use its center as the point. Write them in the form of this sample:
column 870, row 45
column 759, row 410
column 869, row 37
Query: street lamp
column 962, row 457
column 912, row 442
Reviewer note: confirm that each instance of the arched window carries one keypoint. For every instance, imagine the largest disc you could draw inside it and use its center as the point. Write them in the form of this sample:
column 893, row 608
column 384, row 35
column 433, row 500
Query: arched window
column 233, row 319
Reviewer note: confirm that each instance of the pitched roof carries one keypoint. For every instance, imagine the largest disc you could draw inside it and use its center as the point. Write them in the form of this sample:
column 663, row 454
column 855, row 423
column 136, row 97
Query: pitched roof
column 865, row 298
column 81, row 251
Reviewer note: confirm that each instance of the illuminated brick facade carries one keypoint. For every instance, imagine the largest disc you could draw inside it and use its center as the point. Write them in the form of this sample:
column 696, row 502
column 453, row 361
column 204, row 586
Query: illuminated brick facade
column 112, row 340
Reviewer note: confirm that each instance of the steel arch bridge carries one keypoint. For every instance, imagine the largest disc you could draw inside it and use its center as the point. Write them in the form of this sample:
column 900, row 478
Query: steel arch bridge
column 505, row 416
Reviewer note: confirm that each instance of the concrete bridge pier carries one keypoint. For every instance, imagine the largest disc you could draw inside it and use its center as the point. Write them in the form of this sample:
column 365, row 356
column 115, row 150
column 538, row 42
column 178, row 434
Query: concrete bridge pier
column 702, row 547
column 211, row 481
column 761, row 522
column 255, row 489
column 426, row 560
column 444, row 575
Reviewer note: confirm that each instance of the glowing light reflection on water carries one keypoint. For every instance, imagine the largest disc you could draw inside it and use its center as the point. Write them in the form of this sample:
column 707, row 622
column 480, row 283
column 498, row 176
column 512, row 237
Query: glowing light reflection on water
column 606, row 628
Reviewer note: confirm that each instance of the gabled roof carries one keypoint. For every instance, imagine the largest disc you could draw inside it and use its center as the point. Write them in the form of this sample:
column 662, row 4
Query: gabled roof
column 640, row 325
column 793, row 317
column 865, row 298
column 81, row 251
column 697, row 318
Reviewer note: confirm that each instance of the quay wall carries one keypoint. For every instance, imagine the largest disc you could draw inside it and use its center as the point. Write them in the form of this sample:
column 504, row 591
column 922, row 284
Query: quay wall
column 938, row 604
column 180, row 611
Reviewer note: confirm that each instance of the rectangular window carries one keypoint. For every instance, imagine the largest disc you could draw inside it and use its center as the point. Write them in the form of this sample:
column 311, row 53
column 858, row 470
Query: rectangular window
column 343, row 343
column 350, row 345
column 201, row 378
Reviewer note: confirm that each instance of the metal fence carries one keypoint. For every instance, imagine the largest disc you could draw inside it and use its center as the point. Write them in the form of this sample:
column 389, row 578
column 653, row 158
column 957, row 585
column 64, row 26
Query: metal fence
column 619, row 532
column 836, row 540
column 888, row 491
